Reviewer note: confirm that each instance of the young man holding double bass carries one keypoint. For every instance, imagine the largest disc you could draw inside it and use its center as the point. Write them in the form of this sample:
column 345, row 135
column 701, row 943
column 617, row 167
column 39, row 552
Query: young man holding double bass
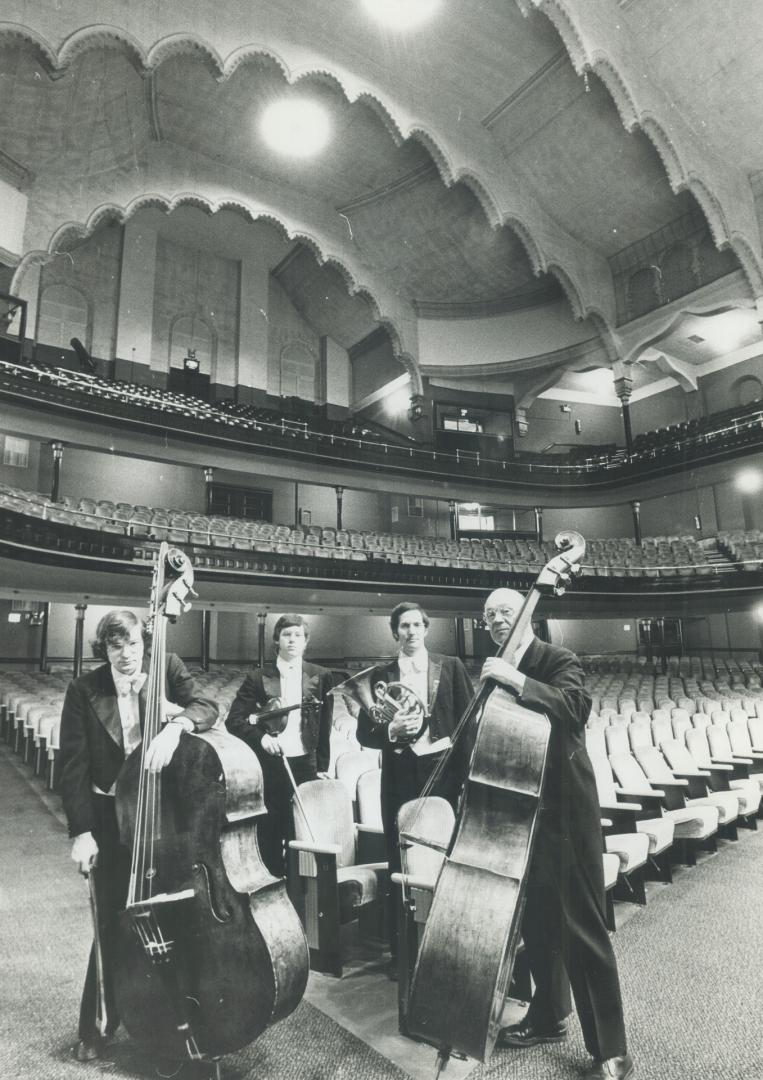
column 101, row 725
column 563, row 926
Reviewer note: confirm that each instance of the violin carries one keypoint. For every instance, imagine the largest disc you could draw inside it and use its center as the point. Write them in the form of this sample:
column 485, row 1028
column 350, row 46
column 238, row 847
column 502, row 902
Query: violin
column 210, row 949
column 463, row 969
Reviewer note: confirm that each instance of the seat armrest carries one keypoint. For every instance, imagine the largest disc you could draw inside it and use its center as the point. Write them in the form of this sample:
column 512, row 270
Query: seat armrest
column 653, row 797
column 719, row 767
column 371, row 844
column 696, row 772
column 314, row 848
column 625, row 806
column 670, row 784
column 606, row 823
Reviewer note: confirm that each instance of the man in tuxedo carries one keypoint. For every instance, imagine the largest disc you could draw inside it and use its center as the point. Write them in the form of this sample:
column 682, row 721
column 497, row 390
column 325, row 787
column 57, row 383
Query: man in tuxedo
column 415, row 740
column 563, row 926
column 304, row 742
column 101, row 725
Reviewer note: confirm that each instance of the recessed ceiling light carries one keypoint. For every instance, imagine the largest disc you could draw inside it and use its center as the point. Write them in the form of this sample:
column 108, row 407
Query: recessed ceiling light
column 297, row 127
column 401, row 14
column 695, row 338
column 749, row 481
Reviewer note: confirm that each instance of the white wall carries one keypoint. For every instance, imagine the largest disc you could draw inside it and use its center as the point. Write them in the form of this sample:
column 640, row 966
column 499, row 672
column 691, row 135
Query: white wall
column 494, row 340
column 13, row 218
column 121, row 479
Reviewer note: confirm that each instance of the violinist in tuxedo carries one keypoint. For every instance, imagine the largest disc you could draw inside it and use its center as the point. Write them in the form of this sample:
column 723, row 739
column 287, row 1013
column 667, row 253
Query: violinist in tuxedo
column 101, row 725
column 563, row 925
column 415, row 740
column 304, row 740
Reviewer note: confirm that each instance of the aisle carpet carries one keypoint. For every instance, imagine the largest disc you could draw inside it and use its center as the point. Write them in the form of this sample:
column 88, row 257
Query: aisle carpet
column 689, row 964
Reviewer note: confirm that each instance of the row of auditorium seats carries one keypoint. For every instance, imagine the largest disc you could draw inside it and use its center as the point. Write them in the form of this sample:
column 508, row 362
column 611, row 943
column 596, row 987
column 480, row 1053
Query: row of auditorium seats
column 715, row 424
column 717, row 431
column 660, row 556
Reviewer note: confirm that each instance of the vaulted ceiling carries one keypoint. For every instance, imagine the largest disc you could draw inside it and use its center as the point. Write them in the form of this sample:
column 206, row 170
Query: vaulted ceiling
column 498, row 155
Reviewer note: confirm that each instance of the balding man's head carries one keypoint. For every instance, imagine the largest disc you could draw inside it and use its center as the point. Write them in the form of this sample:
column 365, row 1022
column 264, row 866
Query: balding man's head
column 500, row 613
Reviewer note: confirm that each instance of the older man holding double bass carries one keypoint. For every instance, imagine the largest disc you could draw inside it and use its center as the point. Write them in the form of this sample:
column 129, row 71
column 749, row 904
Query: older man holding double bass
column 563, row 926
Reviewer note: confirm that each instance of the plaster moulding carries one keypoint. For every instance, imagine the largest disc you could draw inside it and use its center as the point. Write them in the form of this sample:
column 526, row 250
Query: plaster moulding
column 544, row 240
column 720, row 190
column 398, row 328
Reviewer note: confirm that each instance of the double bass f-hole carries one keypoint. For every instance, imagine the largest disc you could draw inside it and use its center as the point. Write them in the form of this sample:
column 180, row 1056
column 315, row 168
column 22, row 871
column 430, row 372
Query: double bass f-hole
column 221, row 916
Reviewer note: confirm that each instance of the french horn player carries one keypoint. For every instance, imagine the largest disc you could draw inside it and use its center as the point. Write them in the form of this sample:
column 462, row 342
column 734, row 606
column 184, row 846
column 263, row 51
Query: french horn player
column 414, row 730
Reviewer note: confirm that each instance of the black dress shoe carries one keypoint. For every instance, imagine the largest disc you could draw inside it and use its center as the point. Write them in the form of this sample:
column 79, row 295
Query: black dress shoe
column 614, row 1068
column 85, row 1051
column 526, row 1034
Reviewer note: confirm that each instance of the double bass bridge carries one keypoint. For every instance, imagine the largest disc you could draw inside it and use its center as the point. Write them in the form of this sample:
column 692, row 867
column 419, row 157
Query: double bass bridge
column 145, row 921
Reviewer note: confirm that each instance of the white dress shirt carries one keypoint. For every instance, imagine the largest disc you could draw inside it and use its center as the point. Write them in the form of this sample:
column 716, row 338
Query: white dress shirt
column 127, row 687
column 414, row 673
column 290, row 739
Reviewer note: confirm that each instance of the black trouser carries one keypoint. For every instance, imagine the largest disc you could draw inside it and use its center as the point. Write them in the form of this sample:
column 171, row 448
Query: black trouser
column 566, row 938
column 403, row 778
column 276, row 828
column 111, row 876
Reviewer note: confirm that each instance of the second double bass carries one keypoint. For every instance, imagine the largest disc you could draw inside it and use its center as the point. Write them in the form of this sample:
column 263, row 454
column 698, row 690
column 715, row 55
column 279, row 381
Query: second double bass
column 467, row 950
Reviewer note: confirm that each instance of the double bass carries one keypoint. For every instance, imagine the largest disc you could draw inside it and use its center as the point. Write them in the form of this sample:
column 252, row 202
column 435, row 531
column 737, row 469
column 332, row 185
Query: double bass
column 210, row 949
column 468, row 947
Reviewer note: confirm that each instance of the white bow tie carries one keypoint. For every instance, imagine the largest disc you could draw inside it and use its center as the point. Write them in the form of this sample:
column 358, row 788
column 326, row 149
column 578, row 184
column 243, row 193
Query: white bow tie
column 410, row 663
column 126, row 683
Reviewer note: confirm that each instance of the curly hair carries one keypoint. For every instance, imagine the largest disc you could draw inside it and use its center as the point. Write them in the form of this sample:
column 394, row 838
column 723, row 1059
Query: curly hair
column 115, row 627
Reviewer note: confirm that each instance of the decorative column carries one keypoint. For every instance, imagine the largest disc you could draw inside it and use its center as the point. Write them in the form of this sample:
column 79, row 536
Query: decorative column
column 205, row 628
column 209, row 478
column 44, row 637
column 453, row 518
column 539, row 523
column 636, row 509
column 460, row 639
column 624, row 389
column 79, row 630
column 339, row 493
column 261, row 617
column 58, row 454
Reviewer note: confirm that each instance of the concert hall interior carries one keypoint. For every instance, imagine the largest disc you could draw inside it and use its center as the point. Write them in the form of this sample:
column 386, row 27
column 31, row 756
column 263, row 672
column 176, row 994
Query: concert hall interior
column 361, row 303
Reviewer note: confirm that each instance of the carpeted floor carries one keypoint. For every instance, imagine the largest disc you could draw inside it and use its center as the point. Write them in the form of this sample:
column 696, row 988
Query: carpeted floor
column 689, row 964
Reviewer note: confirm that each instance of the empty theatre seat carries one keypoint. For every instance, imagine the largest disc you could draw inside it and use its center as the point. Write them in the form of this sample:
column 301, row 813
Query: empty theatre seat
column 693, row 826
column 329, row 881
column 694, row 789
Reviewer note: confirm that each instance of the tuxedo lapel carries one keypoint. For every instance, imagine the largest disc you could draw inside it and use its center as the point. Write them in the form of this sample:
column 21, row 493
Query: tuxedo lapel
column 532, row 656
column 271, row 683
column 104, row 703
column 434, row 674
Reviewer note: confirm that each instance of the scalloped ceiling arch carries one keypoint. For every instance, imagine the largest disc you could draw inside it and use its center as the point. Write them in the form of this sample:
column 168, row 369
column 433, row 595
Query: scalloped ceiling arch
column 147, row 60
column 624, row 99
column 154, row 200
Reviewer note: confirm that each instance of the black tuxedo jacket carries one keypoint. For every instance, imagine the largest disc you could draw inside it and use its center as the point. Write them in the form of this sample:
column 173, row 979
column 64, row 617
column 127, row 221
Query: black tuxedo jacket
column 450, row 691
column 264, row 684
column 92, row 750
column 570, row 815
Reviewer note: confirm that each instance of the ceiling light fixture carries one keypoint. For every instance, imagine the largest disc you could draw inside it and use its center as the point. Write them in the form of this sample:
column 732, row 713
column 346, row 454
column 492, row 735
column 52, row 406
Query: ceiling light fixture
column 401, row 14
column 749, row 481
column 296, row 127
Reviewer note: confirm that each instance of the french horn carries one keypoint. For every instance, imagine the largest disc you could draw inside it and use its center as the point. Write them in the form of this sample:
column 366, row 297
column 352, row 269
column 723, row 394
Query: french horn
column 382, row 700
